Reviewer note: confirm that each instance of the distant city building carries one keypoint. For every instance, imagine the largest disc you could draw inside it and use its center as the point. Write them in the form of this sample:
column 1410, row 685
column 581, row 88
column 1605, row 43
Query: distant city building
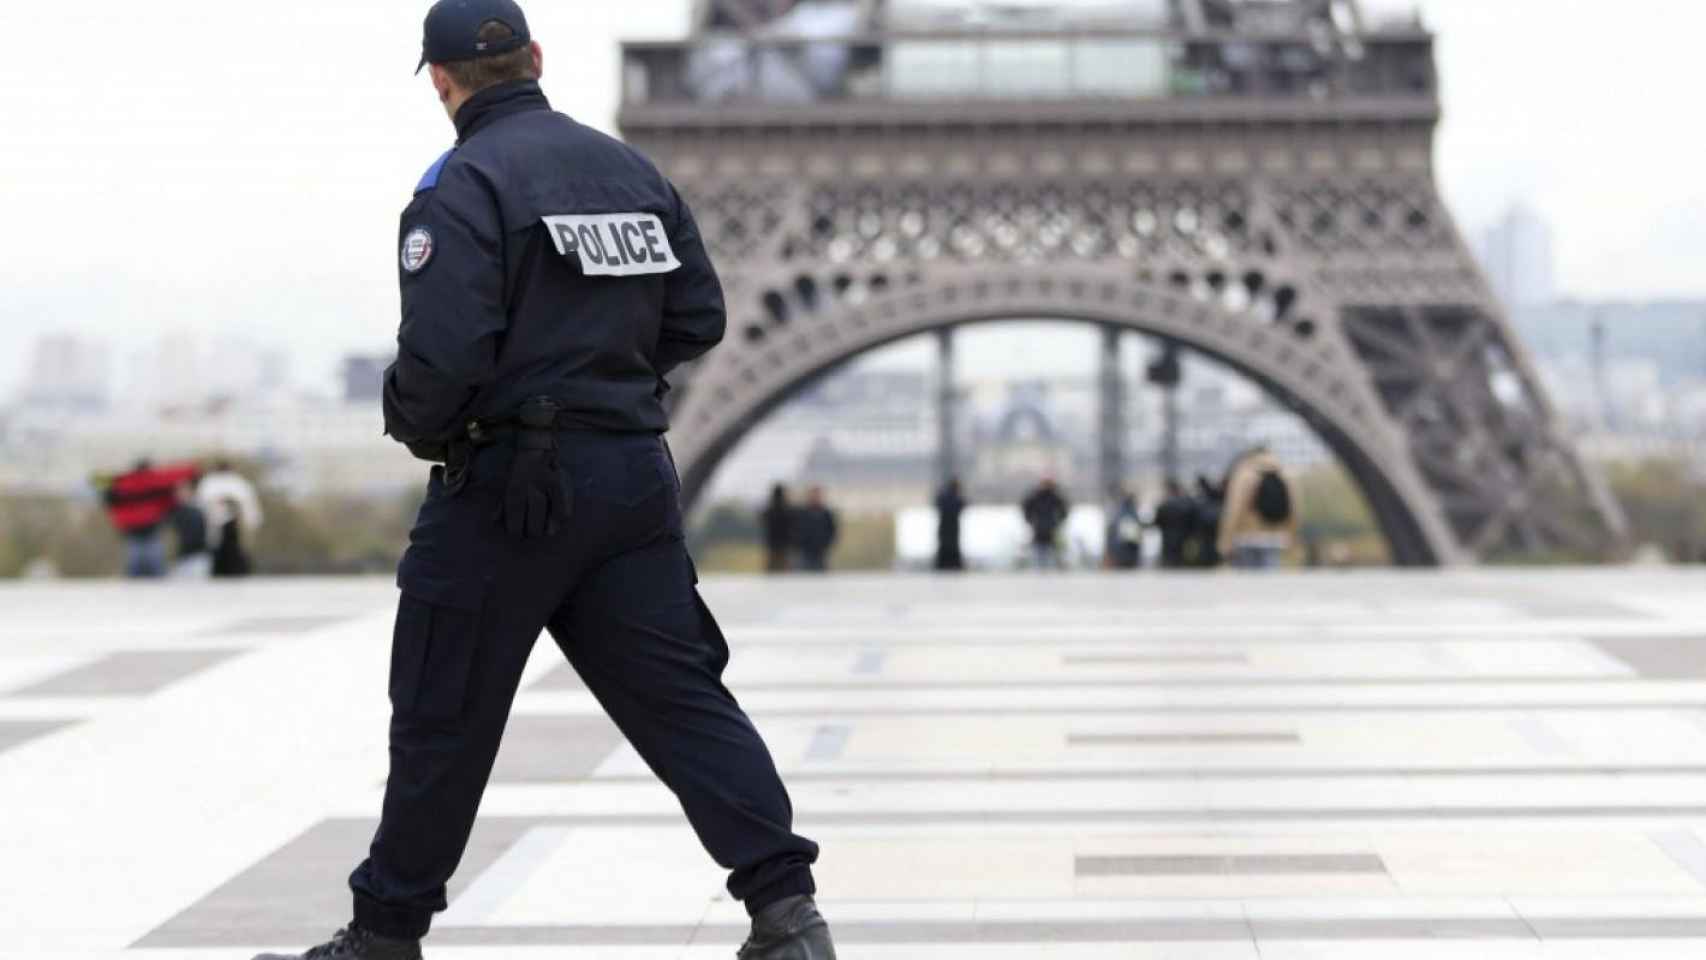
column 187, row 371
column 1516, row 252
column 364, row 377
column 67, row 372
column 308, row 447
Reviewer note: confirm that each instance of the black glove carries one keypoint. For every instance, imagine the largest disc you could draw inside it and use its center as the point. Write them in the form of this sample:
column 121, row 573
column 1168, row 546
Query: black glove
column 538, row 498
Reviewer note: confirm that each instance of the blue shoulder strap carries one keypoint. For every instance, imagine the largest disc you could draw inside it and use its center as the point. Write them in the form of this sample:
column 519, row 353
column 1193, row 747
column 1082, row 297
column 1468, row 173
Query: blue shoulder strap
column 430, row 180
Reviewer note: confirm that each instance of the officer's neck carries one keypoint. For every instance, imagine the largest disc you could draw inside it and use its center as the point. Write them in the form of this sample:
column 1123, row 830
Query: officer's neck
column 454, row 101
column 491, row 103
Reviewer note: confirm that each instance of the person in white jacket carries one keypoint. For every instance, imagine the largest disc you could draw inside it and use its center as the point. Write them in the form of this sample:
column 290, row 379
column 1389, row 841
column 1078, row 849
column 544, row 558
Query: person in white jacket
column 233, row 511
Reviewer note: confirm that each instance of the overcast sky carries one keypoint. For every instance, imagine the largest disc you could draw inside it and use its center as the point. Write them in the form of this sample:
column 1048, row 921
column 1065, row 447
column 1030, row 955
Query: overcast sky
column 212, row 165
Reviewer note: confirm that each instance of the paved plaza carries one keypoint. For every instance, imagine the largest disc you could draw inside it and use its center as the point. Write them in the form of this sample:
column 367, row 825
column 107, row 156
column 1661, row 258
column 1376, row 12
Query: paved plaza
column 1484, row 765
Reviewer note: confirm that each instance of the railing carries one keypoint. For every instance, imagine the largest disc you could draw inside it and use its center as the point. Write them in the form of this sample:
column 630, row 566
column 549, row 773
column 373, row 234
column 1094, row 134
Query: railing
column 735, row 69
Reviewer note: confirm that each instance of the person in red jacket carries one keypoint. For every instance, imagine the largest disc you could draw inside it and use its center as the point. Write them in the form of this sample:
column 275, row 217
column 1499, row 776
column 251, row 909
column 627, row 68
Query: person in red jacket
column 138, row 503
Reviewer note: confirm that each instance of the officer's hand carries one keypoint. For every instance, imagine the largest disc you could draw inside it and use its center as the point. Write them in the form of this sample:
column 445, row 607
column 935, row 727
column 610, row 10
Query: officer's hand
column 538, row 499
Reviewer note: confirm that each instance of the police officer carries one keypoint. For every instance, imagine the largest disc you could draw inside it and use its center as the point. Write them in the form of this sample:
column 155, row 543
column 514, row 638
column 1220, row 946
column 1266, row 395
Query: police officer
column 551, row 278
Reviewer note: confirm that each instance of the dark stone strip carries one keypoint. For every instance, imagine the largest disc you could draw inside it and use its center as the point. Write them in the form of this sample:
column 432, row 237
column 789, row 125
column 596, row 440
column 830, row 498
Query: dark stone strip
column 828, row 742
column 1659, row 658
column 257, row 626
column 1394, row 928
column 555, row 748
column 1193, row 683
column 1185, row 865
column 300, row 893
column 1175, row 739
column 1198, row 773
column 1183, row 930
column 827, row 711
column 16, row 733
column 1570, row 928
column 1154, row 659
column 127, row 673
column 1159, row 815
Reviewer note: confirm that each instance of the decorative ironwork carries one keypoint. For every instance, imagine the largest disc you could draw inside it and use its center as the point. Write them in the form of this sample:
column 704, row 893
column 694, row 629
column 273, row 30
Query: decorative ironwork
column 1289, row 227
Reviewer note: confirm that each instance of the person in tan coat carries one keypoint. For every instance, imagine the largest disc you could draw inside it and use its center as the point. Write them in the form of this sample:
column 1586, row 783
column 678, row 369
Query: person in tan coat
column 1259, row 522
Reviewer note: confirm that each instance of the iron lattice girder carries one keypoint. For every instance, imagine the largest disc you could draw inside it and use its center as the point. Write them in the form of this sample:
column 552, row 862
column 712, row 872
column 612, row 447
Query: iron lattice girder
column 1317, row 259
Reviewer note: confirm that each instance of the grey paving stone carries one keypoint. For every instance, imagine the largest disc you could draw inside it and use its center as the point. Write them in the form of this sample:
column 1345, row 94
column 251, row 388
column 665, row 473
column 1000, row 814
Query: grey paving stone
column 1226, row 682
column 828, row 742
column 1180, row 739
column 14, row 733
column 1151, row 659
column 257, row 626
column 1184, row 865
column 1069, row 775
column 300, row 894
column 1393, row 928
column 1608, row 928
column 127, row 673
column 554, row 748
column 870, row 662
column 1189, row 709
column 1463, row 930
column 1659, row 658
column 563, row 678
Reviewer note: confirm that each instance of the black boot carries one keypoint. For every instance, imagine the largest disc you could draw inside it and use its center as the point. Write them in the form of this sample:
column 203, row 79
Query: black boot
column 790, row 929
column 355, row 943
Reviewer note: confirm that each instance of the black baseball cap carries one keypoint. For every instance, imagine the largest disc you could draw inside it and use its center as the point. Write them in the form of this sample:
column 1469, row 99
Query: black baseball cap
column 453, row 30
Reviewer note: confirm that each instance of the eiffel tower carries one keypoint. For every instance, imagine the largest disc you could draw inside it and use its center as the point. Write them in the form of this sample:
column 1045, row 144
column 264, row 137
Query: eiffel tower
column 1251, row 180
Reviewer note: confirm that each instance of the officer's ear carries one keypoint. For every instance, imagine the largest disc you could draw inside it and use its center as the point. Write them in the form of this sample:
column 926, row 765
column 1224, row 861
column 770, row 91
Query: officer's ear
column 538, row 59
column 442, row 83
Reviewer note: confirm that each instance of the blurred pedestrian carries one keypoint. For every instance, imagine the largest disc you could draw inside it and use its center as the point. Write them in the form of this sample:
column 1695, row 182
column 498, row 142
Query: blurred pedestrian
column 1045, row 513
column 815, row 532
column 138, row 503
column 778, row 522
column 189, row 523
column 230, row 559
column 950, row 505
column 225, row 493
column 1125, row 533
column 1260, row 521
column 1205, row 533
column 1176, row 518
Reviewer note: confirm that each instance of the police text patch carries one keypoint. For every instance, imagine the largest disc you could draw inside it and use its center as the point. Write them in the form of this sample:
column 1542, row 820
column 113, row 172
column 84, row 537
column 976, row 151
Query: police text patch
column 614, row 244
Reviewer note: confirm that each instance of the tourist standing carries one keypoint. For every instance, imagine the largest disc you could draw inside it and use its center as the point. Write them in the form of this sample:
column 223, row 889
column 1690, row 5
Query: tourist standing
column 189, row 523
column 1045, row 513
column 234, row 513
column 778, row 522
column 1205, row 535
column 138, row 503
column 1125, row 533
column 1176, row 518
column 815, row 531
column 950, row 505
column 1260, row 521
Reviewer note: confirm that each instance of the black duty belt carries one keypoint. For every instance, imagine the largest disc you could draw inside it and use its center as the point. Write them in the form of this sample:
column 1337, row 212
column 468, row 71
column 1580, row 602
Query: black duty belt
column 539, row 415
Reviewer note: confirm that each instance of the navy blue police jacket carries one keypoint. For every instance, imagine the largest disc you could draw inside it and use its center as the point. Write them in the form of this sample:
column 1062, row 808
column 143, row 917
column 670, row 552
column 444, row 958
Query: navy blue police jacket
column 541, row 258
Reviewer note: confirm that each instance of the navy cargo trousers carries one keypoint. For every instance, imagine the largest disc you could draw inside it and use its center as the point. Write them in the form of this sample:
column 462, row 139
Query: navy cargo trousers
column 616, row 590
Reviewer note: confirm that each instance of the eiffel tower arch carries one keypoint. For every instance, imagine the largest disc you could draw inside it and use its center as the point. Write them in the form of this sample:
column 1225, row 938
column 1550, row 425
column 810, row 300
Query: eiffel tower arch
column 1252, row 181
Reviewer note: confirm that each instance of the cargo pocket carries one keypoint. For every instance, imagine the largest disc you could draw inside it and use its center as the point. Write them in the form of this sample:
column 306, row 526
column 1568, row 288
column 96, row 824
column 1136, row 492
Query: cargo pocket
column 433, row 647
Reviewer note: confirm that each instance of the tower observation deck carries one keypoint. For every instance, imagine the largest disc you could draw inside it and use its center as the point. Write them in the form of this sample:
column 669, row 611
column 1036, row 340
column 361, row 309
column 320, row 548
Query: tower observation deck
column 1248, row 179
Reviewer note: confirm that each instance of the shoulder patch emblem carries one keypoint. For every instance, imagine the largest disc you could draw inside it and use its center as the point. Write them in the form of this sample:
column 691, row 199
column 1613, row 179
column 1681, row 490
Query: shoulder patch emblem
column 417, row 250
column 614, row 244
